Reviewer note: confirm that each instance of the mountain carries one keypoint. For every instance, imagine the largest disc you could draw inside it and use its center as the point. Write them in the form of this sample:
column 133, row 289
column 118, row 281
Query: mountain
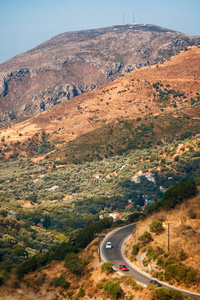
column 95, row 144
column 160, row 100
column 76, row 62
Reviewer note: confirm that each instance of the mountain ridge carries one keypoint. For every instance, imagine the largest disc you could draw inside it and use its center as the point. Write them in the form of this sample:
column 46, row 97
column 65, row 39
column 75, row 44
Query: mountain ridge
column 166, row 88
column 76, row 62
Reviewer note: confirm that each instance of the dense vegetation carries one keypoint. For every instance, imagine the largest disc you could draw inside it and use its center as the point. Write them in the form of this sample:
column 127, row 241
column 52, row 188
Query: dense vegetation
column 36, row 182
column 174, row 195
column 164, row 265
column 22, row 243
column 126, row 136
column 172, row 268
column 70, row 197
column 83, row 238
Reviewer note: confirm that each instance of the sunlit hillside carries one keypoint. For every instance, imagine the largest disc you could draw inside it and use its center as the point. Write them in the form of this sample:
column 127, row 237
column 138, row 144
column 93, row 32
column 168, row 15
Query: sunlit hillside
column 172, row 253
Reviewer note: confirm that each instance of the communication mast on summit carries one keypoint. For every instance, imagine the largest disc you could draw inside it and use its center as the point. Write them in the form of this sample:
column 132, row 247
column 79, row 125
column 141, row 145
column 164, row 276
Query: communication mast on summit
column 133, row 19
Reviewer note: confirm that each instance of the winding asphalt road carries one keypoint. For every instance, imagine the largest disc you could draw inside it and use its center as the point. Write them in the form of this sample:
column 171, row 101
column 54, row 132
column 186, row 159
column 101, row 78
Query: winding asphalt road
column 115, row 255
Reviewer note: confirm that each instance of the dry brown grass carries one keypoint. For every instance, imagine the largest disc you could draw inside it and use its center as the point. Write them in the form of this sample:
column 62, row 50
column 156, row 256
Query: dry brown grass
column 184, row 234
column 124, row 98
column 30, row 290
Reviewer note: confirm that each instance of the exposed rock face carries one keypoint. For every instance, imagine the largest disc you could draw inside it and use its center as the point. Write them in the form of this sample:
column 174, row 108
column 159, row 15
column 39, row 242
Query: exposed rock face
column 76, row 62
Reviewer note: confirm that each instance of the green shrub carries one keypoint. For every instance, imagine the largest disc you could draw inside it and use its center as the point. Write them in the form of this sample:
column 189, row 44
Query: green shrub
column 145, row 263
column 151, row 253
column 160, row 261
column 3, row 277
column 182, row 255
column 107, row 267
column 61, row 281
column 165, row 294
column 26, row 267
column 75, row 264
column 175, row 195
column 193, row 215
column 81, row 292
column 70, row 294
column 191, row 276
column 185, row 135
column 19, row 250
column 136, row 216
column 113, row 288
column 181, row 273
column 168, row 262
column 156, row 227
column 176, row 158
column 87, row 234
column 159, row 251
column 146, row 238
column 135, row 249
column 172, row 270
column 154, row 207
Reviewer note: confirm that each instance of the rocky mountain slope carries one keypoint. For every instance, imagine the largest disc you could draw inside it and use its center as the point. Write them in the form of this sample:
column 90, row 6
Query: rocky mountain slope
column 75, row 62
column 151, row 94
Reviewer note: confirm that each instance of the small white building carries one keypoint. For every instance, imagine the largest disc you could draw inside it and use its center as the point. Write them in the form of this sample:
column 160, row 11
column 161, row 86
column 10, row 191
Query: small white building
column 115, row 216
column 53, row 188
column 149, row 177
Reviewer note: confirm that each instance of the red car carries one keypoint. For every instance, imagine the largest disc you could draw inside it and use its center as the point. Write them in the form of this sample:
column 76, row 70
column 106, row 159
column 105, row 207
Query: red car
column 123, row 267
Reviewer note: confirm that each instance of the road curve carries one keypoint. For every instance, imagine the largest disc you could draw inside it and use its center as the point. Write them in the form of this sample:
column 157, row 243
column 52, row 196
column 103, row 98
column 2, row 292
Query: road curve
column 115, row 255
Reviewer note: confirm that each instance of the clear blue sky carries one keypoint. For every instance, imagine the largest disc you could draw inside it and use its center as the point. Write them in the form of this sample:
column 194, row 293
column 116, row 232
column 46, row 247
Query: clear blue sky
column 25, row 24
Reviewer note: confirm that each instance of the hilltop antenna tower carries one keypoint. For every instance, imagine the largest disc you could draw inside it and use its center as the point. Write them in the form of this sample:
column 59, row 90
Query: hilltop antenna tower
column 123, row 19
column 133, row 18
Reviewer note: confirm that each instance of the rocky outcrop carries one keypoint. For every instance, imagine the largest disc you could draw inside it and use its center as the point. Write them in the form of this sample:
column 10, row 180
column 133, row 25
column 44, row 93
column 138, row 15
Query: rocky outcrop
column 76, row 62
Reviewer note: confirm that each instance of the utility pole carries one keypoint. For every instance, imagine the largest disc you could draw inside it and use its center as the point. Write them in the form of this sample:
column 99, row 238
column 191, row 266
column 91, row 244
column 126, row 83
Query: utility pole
column 168, row 237
column 99, row 251
column 168, row 234
column 100, row 237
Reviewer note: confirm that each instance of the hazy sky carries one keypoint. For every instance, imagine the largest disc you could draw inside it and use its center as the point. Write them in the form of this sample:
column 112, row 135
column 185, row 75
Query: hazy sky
column 25, row 24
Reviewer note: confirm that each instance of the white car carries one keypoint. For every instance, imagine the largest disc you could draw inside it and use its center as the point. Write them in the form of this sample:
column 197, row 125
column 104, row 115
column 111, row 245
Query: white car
column 108, row 245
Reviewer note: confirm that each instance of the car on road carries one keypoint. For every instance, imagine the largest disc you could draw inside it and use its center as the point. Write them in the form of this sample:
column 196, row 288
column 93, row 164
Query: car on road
column 123, row 267
column 108, row 245
column 155, row 282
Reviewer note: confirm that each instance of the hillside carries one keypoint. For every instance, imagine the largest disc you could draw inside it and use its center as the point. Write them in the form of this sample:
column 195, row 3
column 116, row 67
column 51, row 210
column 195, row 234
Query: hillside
column 76, row 62
column 180, row 247
column 164, row 96
column 89, row 285
column 88, row 149
column 184, row 222
column 111, row 149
